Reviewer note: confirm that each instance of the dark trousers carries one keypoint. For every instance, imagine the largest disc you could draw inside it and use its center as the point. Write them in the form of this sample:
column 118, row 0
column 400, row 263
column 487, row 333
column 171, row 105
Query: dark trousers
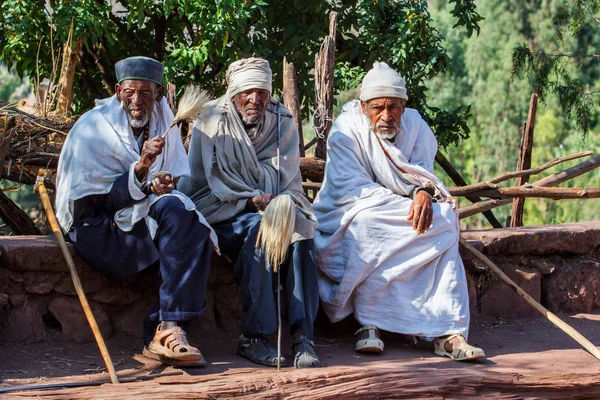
column 181, row 250
column 184, row 249
column 237, row 238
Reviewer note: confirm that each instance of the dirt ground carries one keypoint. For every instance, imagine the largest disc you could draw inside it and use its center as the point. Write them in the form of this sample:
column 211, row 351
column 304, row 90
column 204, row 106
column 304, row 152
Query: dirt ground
column 527, row 347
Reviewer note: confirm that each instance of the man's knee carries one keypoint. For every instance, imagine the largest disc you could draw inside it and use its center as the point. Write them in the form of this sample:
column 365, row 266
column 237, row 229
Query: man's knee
column 168, row 207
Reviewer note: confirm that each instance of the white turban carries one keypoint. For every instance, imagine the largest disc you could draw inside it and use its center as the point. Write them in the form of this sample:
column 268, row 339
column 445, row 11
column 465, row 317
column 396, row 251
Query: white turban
column 249, row 73
column 382, row 81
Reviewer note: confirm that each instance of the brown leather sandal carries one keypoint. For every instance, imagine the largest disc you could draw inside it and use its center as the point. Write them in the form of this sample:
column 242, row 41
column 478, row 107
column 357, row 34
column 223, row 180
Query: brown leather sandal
column 172, row 343
column 201, row 363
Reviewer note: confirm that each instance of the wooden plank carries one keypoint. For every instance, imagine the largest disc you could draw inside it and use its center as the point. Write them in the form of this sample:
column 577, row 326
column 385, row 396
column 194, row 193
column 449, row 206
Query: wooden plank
column 524, row 161
column 291, row 99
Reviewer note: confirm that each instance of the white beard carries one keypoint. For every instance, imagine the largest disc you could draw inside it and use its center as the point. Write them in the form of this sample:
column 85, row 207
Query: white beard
column 135, row 123
column 385, row 136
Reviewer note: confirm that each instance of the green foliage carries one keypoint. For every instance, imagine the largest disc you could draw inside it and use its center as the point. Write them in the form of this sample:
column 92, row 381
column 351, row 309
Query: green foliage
column 8, row 84
column 482, row 77
column 197, row 40
column 555, row 69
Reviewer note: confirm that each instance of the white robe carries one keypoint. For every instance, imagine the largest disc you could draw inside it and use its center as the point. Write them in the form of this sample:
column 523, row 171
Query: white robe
column 370, row 260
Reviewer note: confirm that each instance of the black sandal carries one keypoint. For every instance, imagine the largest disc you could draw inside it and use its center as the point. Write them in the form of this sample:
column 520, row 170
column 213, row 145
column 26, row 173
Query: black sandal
column 304, row 353
column 259, row 351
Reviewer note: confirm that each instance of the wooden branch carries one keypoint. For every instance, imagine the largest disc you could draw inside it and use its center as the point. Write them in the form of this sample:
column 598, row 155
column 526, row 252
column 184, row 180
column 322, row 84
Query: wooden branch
column 491, row 183
column 542, row 192
column 549, row 181
column 311, row 143
column 16, row 219
column 290, row 99
column 458, row 180
column 324, row 77
column 312, row 168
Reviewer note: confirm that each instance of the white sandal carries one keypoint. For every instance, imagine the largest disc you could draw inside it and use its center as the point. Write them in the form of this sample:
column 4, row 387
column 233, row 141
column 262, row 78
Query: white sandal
column 463, row 352
column 372, row 344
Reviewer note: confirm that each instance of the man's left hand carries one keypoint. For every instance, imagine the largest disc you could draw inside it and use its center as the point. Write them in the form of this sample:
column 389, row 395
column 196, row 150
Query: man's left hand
column 421, row 212
column 162, row 183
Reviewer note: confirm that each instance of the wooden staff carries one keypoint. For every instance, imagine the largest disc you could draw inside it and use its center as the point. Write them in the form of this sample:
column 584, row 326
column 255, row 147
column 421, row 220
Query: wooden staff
column 566, row 328
column 41, row 189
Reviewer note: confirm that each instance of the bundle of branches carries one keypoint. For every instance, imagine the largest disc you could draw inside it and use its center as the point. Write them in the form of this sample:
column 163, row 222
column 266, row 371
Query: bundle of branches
column 28, row 142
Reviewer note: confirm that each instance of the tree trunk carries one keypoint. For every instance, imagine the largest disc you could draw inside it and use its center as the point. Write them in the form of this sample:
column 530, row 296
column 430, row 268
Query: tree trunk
column 324, row 70
column 67, row 75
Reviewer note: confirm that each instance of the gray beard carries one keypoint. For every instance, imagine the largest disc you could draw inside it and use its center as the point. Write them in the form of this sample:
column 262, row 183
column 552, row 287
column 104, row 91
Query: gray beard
column 135, row 123
column 138, row 123
column 382, row 135
column 250, row 121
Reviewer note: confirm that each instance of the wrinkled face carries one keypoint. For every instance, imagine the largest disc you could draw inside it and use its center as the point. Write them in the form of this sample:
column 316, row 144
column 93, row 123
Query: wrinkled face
column 137, row 98
column 384, row 115
column 251, row 104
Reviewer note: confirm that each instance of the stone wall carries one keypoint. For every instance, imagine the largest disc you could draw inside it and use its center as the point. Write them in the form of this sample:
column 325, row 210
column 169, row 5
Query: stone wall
column 558, row 265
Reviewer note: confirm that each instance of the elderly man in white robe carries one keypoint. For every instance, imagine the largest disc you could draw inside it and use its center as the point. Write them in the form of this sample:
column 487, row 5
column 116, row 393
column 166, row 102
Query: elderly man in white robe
column 243, row 153
column 117, row 200
column 387, row 240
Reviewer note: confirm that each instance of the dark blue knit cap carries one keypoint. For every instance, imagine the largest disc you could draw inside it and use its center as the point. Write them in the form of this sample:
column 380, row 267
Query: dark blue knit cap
column 140, row 68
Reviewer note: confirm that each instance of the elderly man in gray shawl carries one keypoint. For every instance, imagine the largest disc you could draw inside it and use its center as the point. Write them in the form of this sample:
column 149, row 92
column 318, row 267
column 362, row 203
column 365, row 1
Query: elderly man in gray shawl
column 117, row 201
column 235, row 174
column 387, row 241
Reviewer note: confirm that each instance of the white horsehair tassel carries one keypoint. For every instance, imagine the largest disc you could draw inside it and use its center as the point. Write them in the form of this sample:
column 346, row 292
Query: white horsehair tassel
column 190, row 106
column 276, row 229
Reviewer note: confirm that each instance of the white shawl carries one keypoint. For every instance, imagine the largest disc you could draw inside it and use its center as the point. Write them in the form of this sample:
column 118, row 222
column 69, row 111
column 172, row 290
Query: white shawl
column 101, row 147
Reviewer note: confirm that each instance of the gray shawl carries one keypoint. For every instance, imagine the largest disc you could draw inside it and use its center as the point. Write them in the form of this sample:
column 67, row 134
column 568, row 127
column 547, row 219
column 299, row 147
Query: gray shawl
column 230, row 166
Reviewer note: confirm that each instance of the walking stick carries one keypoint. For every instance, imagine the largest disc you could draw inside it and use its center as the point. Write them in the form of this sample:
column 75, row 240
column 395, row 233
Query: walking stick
column 566, row 328
column 278, row 269
column 41, row 189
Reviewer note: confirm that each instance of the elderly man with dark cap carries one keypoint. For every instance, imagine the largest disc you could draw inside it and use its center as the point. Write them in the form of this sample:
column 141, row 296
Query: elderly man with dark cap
column 243, row 153
column 387, row 241
column 116, row 200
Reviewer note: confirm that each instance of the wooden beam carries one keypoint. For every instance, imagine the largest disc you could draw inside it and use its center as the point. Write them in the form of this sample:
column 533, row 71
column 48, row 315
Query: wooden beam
column 458, row 180
column 524, row 161
column 291, row 99
column 312, row 168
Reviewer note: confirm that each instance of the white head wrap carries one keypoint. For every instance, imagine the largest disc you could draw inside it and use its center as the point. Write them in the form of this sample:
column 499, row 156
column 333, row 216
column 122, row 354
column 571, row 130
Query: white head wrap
column 249, row 73
column 382, row 81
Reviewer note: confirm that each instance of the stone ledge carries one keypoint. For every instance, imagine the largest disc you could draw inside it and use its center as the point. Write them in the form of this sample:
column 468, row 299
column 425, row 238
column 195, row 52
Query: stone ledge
column 557, row 265
column 573, row 238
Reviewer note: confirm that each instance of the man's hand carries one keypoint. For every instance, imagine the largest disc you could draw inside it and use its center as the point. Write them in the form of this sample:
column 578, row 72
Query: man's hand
column 259, row 203
column 421, row 212
column 151, row 149
column 162, row 183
